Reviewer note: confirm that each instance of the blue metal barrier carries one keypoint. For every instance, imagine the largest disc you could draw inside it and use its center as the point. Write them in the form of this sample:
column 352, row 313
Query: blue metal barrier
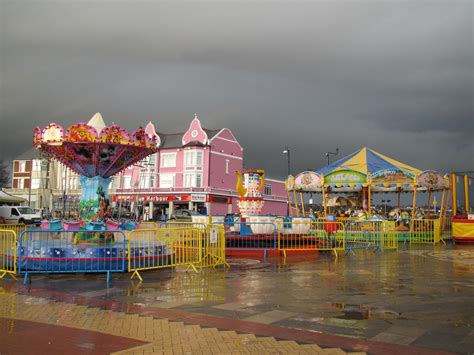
column 64, row 251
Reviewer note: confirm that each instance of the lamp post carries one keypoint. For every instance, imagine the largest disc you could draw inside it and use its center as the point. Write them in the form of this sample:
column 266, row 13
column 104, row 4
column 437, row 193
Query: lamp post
column 332, row 153
column 287, row 152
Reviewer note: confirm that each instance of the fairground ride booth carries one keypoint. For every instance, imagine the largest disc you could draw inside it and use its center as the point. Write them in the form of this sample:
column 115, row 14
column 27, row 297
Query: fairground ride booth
column 463, row 218
column 362, row 174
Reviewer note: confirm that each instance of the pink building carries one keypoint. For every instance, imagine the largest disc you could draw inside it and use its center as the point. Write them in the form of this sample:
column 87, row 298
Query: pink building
column 192, row 170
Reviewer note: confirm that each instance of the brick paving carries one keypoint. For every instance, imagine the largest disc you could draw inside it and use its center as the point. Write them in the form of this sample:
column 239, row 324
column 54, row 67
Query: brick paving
column 159, row 330
column 158, row 336
column 369, row 302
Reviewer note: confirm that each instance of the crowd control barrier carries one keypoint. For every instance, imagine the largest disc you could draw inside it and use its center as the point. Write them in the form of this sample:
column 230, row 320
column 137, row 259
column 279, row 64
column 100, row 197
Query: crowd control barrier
column 193, row 245
column 425, row 231
column 446, row 227
column 148, row 225
column 246, row 236
column 17, row 228
column 311, row 236
column 214, row 247
column 61, row 251
column 378, row 235
column 8, row 251
column 157, row 248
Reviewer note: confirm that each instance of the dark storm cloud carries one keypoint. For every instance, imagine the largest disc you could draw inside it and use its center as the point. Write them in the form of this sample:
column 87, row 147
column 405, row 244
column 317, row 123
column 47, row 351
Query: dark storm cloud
column 396, row 76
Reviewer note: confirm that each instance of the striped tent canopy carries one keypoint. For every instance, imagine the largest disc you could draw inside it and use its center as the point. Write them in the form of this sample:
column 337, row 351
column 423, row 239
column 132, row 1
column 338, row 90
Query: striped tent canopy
column 365, row 167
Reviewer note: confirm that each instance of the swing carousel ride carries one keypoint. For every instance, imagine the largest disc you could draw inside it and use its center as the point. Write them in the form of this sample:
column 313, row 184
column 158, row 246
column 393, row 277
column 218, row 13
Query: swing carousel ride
column 96, row 152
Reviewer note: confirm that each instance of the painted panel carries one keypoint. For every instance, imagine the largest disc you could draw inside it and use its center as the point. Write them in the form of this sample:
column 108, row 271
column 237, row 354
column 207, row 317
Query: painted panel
column 345, row 177
column 307, row 181
column 392, row 176
column 430, row 178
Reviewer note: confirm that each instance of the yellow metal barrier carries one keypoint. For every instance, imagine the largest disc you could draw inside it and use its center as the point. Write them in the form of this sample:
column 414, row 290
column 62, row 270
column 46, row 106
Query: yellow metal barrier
column 214, row 246
column 425, row 231
column 148, row 225
column 311, row 236
column 363, row 234
column 371, row 234
column 389, row 235
column 150, row 249
column 8, row 253
column 17, row 228
column 347, row 219
column 446, row 227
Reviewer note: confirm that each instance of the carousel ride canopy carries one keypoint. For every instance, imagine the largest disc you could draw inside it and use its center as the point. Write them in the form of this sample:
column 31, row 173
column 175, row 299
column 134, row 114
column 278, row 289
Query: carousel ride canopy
column 94, row 149
column 364, row 172
column 364, row 168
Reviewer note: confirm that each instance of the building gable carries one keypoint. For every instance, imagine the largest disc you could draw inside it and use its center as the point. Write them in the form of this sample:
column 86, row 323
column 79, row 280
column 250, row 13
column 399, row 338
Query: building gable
column 195, row 133
column 226, row 134
column 151, row 131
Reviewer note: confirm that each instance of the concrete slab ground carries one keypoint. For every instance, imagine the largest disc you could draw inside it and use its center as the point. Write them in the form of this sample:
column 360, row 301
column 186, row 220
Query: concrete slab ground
column 417, row 300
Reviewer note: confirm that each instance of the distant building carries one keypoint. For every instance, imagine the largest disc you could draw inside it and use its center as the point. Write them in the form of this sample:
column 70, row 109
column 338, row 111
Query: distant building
column 44, row 183
column 192, row 170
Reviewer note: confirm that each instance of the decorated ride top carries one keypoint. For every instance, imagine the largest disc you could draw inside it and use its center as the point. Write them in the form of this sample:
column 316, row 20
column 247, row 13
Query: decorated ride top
column 367, row 168
column 94, row 149
column 249, row 186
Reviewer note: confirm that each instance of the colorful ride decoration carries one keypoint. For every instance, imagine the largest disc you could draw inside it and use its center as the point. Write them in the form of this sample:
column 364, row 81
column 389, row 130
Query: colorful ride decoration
column 96, row 152
column 361, row 174
column 249, row 186
column 462, row 221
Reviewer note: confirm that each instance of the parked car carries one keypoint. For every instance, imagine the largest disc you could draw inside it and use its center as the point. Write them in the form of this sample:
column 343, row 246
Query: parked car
column 182, row 214
column 118, row 212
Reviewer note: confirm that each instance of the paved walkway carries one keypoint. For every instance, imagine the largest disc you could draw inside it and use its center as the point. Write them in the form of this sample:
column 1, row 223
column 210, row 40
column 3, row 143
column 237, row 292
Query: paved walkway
column 35, row 325
column 415, row 301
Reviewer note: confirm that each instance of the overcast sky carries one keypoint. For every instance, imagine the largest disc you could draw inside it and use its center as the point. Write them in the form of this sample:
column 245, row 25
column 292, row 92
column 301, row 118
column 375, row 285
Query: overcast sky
column 396, row 76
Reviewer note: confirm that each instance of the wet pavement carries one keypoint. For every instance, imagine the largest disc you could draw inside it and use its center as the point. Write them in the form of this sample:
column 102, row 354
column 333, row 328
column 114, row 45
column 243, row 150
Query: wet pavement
column 419, row 298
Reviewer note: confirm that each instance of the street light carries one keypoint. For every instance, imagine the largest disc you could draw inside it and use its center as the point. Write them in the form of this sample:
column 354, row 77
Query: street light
column 331, row 153
column 287, row 151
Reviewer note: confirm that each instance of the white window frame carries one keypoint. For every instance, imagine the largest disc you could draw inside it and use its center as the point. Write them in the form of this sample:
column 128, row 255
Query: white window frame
column 35, row 183
column 168, row 176
column 72, row 183
column 227, row 162
column 147, row 179
column 127, row 181
column 191, row 180
column 162, row 160
column 22, row 166
column 36, row 165
column 193, row 161
column 21, row 183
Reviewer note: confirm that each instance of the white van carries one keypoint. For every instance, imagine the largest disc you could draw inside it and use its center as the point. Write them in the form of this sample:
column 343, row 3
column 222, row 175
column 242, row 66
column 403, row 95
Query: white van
column 20, row 214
